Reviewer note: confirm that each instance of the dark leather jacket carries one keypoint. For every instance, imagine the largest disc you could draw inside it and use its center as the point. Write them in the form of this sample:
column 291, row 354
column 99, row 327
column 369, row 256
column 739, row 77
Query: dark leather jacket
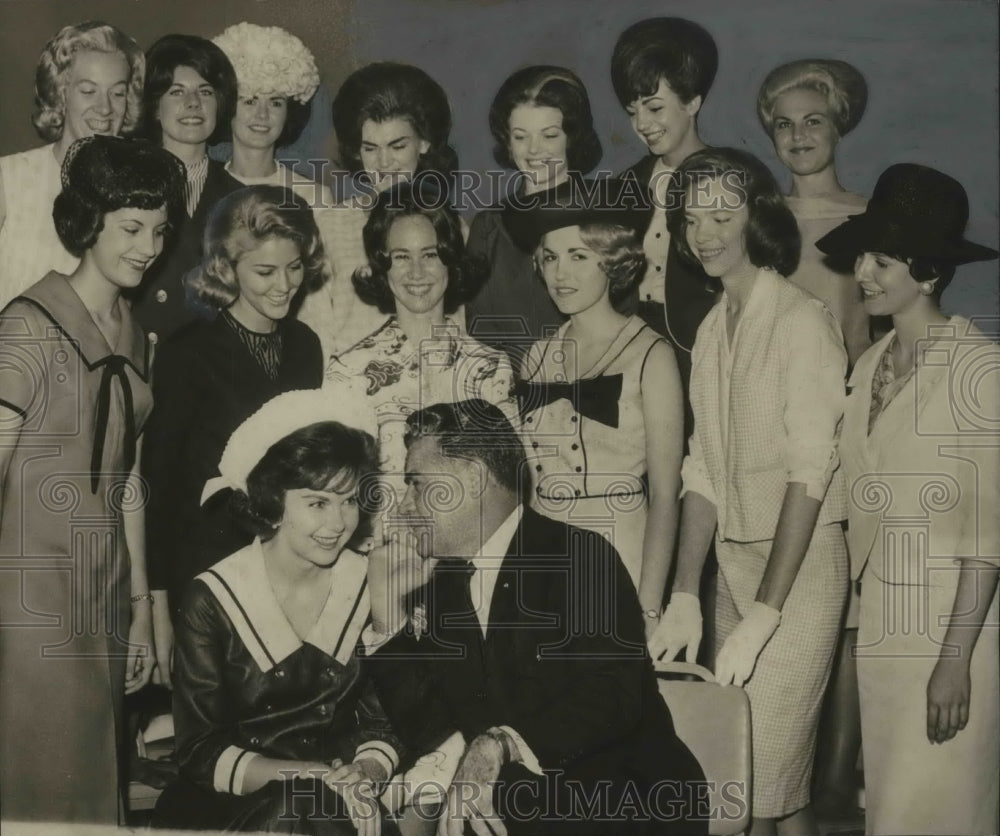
column 246, row 684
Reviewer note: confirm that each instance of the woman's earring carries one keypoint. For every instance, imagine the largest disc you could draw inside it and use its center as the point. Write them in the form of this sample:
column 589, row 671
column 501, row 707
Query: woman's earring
column 927, row 288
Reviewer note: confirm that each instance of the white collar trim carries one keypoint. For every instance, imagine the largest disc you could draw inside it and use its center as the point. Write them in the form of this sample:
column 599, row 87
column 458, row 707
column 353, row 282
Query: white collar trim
column 240, row 585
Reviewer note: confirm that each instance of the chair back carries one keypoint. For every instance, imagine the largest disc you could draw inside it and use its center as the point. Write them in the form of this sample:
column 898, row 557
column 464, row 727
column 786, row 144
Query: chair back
column 714, row 723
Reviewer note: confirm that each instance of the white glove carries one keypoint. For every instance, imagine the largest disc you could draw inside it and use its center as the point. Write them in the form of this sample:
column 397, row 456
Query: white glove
column 740, row 651
column 680, row 626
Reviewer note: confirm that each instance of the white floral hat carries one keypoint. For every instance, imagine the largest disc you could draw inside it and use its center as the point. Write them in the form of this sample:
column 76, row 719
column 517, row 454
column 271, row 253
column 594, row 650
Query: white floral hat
column 281, row 416
column 269, row 61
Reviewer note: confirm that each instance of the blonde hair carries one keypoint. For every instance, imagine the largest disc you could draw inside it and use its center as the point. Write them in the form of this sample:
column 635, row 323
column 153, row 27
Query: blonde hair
column 57, row 58
column 843, row 87
column 243, row 220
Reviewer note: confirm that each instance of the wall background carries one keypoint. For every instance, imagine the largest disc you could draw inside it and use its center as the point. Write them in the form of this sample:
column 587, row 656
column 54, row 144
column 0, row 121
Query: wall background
column 931, row 65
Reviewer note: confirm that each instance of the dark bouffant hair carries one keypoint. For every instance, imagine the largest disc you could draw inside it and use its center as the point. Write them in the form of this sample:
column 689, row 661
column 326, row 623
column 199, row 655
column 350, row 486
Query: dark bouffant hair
column 243, row 220
column 326, row 456
column 677, row 50
column 388, row 90
column 771, row 234
column 466, row 273
column 546, row 86
column 56, row 60
column 474, row 429
column 296, row 118
column 103, row 174
column 210, row 62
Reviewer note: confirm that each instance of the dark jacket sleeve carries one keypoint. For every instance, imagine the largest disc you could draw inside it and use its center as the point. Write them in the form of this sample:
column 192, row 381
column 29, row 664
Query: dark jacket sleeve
column 598, row 668
column 174, row 404
column 205, row 732
column 375, row 733
column 407, row 683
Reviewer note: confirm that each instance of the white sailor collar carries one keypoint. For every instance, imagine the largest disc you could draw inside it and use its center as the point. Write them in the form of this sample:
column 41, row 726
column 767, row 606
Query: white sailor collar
column 240, row 585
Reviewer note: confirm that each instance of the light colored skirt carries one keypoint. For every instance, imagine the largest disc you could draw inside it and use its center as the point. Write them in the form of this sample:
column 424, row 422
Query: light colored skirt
column 911, row 784
column 787, row 684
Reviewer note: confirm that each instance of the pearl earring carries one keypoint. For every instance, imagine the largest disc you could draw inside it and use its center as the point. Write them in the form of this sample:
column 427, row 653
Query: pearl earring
column 927, row 288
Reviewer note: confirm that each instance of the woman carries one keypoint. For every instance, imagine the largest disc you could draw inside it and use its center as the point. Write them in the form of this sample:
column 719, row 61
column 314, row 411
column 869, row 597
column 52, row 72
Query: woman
column 392, row 121
column 541, row 122
column 261, row 246
column 760, row 475
column 74, row 396
column 188, row 102
column 276, row 726
column 662, row 69
column 920, row 452
column 806, row 107
column 602, row 403
column 89, row 81
column 276, row 78
column 419, row 276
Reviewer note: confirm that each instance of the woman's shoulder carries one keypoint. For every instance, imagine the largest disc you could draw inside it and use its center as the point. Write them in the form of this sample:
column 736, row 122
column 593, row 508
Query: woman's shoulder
column 298, row 333
column 33, row 158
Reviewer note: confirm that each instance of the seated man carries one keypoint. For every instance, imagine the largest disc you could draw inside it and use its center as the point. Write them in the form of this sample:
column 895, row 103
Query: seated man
column 529, row 642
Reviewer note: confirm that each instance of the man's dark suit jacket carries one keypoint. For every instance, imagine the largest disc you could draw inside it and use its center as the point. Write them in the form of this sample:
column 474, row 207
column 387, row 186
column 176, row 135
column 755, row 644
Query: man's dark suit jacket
column 564, row 664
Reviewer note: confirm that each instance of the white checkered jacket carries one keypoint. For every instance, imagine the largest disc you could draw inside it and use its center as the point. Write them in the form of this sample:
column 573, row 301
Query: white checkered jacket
column 786, row 402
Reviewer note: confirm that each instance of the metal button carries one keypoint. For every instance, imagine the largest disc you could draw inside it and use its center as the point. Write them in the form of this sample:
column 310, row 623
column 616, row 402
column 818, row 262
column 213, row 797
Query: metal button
column 322, row 710
column 574, row 446
column 578, row 468
column 659, row 269
column 572, row 418
column 577, row 491
column 534, row 444
column 255, row 741
column 529, row 419
column 279, row 673
column 657, row 234
column 538, row 467
column 161, row 295
column 154, row 338
column 649, row 297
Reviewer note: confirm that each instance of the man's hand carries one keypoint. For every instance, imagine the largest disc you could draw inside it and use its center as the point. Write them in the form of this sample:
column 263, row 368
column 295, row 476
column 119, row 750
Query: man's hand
column 395, row 569
column 679, row 627
column 470, row 796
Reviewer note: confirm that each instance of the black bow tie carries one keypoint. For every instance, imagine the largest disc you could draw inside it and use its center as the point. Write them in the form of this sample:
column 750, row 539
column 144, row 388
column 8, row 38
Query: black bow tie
column 595, row 398
column 114, row 368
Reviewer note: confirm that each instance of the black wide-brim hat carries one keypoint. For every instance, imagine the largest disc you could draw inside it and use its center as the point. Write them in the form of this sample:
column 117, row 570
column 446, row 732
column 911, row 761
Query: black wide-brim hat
column 916, row 212
column 576, row 202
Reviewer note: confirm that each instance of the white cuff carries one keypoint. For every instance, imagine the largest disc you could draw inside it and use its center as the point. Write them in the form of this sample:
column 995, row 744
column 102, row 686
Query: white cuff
column 230, row 769
column 372, row 639
column 528, row 759
column 380, row 752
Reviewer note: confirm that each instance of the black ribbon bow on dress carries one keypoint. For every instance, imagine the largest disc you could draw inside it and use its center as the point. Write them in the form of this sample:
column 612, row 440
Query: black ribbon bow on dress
column 595, row 398
column 114, row 367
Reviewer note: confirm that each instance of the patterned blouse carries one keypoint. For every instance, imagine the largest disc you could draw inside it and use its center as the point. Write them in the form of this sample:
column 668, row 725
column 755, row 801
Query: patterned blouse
column 399, row 378
column 885, row 384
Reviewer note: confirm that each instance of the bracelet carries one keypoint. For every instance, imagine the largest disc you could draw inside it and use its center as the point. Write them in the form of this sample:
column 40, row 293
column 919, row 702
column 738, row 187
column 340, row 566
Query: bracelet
column 651, row 613
column 142, row 596
column 501, row 737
